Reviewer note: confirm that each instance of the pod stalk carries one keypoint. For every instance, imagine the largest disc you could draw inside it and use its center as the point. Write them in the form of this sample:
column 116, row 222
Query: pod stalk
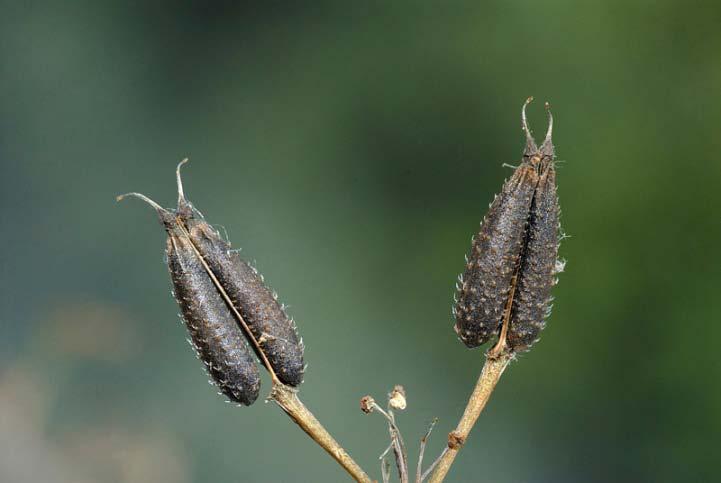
column 287, row 399
column 490, row 375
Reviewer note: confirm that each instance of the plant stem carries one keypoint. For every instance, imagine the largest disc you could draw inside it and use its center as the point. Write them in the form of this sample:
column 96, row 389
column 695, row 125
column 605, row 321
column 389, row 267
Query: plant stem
column 491, row 373
column 424, row 441
column 287, row 399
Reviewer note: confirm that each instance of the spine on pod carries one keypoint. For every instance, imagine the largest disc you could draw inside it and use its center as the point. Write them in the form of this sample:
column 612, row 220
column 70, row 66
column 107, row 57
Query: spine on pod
column 274, row 331
column 215, row 335
column 532, row 301
column 486, row 283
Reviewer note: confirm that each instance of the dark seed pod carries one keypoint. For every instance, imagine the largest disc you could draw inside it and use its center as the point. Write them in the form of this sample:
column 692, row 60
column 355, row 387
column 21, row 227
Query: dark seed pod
column 226, row 306
column 274, row 331
column 484, row 287
column 510, row 270
column 214, row 333
column 486, row 283
column 539, row 265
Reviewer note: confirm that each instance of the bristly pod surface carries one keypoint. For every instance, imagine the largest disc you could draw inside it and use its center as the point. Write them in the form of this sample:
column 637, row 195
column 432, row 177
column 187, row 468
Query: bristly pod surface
column 228, row 310
column 273, row 330
column 214, row 334
column 505, row 290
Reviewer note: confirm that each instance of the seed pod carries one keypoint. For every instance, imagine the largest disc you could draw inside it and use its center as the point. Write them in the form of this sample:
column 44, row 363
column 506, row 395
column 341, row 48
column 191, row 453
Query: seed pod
column 273, row 330
column 216, row 336
column 510, row 270
column 214, row 333
column 485, row 285
column 532, row 301
column 256, row 316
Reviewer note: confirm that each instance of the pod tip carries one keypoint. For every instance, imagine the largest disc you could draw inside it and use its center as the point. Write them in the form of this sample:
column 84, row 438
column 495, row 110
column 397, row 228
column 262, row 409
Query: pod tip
column 530, row 142
column 152, row 203
column 181, row 194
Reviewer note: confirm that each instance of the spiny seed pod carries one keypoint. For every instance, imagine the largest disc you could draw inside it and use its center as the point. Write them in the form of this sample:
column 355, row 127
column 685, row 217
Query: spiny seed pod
column 214, row 333
column 486, row 283
column 273, row 330
column 539, row 265
column 226, row 306
column 217, row 338
column 510, row 270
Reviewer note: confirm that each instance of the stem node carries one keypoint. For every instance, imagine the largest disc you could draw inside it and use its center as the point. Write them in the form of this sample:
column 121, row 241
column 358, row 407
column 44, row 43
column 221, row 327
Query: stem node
column 455, row 440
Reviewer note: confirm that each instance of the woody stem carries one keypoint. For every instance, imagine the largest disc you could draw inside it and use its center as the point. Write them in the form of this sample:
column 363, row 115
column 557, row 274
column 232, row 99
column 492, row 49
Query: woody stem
column 287, row 399
column 491, row 373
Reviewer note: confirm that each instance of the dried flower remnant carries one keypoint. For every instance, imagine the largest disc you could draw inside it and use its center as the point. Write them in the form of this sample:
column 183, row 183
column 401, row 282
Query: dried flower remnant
column 397, row 398
column 504, row 291
column 367, row 404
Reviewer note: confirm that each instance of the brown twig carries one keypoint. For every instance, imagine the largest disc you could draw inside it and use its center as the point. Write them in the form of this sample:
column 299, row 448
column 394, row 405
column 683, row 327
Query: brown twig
column 424, row 441
column 287, row 398
column 491, row 373
column 385, row 465
column 429, row 470
column 497, row 358
column 399, row 448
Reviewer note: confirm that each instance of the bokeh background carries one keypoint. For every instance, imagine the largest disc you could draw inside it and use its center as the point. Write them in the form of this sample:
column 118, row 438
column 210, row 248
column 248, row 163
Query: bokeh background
column 351, row 149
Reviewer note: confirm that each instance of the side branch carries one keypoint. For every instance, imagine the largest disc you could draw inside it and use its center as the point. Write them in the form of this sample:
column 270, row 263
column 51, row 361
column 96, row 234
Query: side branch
column 287, row 399
column 492, row 371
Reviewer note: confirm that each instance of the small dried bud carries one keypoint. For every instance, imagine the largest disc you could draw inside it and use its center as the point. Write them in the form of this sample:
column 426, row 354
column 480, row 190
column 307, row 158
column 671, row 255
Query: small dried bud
column 397, row 398
column 505, row 289
column 367, row 404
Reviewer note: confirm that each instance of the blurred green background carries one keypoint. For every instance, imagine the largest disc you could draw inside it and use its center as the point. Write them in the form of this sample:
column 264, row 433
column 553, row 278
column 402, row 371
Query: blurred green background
column 351, row 149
